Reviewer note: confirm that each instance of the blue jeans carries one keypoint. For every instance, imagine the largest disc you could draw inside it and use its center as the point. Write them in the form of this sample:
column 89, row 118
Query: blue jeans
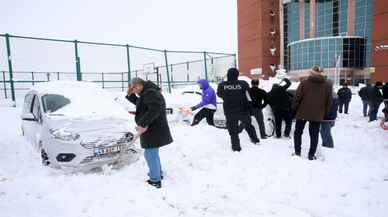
column 152, row 158
column 373, row 110
column 365, row 104
column 327, row 139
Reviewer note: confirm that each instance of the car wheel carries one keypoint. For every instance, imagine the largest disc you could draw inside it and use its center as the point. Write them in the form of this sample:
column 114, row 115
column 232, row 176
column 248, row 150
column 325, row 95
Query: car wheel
column 45, row 159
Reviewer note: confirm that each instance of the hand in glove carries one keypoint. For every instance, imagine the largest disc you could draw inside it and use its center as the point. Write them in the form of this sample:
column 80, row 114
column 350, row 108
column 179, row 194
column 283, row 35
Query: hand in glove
column 193, row 108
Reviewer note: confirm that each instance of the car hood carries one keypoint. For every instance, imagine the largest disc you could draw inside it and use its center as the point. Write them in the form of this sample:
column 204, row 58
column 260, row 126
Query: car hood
column 97, row 131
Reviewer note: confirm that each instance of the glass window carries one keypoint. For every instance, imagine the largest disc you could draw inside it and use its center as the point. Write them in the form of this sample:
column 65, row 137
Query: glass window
column 54, row 102
column 27, row 107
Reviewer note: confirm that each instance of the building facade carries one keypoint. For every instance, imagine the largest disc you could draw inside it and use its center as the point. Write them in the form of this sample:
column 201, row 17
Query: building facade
column 346, row 37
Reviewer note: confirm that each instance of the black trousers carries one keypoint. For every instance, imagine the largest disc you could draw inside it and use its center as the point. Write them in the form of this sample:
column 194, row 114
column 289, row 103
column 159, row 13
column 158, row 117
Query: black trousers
column 234, row 128
column 314, row 136
column 281, row 116
column 342, row 104
column 258, row 114
column 204, row 113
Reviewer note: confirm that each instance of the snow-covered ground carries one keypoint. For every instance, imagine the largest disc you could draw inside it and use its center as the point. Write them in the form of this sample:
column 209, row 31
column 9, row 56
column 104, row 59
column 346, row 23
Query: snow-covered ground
column 203, row 177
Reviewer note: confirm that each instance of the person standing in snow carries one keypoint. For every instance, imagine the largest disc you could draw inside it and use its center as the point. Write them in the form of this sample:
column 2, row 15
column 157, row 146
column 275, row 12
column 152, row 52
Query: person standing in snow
column 363, row 93
column 344, row 97
column 312, row 102
column 237, row 106
column 385, row 94
column 375, row 98
column 280, row 101
column 328, row 123
column 152, row 125
column 208, row 105
column 259, row 102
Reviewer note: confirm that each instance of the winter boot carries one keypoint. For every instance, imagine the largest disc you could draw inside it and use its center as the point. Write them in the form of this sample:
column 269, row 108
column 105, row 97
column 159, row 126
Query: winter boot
column 155, row 184
column 256, row 141
column 236, row 148
column 312, row 158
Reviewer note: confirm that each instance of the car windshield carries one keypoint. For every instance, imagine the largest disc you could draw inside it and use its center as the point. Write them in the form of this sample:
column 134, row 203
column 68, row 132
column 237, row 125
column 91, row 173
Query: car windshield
column 53, row 102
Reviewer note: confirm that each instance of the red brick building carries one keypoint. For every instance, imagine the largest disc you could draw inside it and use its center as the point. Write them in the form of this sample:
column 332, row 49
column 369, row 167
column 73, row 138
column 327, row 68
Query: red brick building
column 348, row 37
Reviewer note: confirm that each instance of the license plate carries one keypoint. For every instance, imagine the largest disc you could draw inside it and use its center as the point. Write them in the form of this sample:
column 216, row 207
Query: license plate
column 107, row 150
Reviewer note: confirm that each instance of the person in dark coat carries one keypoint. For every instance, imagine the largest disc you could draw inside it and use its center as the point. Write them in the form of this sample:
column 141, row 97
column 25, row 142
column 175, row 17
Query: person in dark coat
column 280, row 101
column 259, row 102
column 363, row 93
column 344, row 98
column 385, row 94
column 208, row 105
column 328, row 123
column 312, row 102
column 375, row 98
column 237, row 106
column 152, row 125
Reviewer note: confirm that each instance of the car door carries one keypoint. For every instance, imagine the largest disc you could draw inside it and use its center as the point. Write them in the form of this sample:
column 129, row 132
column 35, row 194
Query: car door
column 27, row 124
column 36, row 126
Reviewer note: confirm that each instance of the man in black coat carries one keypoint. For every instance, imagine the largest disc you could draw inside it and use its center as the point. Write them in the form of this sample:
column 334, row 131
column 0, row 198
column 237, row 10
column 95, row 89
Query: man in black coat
column 280, row 102
column 237, row 105
column 344, row 97
column 385, row 94
column 152, row 125
column 375, row 98
column 363, row 93
column 259, row 102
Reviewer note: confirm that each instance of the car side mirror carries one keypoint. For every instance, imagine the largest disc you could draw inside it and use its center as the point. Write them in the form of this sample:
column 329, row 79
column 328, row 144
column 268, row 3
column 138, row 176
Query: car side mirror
column 28, row 117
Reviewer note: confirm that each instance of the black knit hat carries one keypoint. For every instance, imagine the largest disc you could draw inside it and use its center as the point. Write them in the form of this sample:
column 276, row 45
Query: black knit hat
column 233, row 74
column 255, row 82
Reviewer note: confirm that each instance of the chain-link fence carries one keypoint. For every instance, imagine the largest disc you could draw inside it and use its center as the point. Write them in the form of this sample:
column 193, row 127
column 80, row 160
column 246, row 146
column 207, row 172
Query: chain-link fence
column 26, row 61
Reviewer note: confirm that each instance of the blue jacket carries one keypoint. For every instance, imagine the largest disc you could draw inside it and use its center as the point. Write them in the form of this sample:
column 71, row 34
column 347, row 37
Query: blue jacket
column 208, row 95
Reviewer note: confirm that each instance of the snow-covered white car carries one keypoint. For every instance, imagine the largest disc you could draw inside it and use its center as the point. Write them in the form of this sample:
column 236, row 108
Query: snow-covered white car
column 77, row 125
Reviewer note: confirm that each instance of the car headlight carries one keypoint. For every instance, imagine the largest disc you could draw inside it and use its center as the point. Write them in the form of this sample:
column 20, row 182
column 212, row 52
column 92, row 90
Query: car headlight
column 64, row 135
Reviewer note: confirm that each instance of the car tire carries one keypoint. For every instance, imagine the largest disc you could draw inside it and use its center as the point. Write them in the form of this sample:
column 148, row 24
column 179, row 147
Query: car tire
column 45, row 159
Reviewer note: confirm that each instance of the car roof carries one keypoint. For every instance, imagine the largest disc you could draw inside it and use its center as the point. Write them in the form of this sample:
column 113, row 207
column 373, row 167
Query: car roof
column 64, row 87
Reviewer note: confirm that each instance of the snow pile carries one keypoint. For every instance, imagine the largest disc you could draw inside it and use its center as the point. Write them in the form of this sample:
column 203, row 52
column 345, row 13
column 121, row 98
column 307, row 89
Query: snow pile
column 203, row 177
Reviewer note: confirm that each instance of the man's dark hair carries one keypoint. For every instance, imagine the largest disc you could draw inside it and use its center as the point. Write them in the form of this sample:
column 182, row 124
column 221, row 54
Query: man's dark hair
column 135, row 81
column 379, row 84
column 255, row 83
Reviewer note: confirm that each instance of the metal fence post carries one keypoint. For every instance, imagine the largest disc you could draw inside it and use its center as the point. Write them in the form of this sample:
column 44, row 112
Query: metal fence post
column 205, row 62
column 77, row 61
column 188, row 71
column 48, row 76
column 7, row 41
column 102, row 78
column 235, row 61
column 122, row 81
column 5, row 85
column 129, row 65
column 172, row 74
column 168, row 71
column 58, row 76
column 32, row 78
column 157, row 77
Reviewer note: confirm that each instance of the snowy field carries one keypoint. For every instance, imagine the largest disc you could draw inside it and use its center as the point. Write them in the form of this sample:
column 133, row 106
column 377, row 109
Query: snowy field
column 203, row 177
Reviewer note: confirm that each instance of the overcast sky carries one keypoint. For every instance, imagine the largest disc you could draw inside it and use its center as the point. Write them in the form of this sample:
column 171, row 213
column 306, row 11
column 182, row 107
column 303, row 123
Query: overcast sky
column 165, row 24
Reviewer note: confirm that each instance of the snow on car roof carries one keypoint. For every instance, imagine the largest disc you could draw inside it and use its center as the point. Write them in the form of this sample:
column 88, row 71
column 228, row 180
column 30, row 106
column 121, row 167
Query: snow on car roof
column 88, row 100
column 63, row 87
